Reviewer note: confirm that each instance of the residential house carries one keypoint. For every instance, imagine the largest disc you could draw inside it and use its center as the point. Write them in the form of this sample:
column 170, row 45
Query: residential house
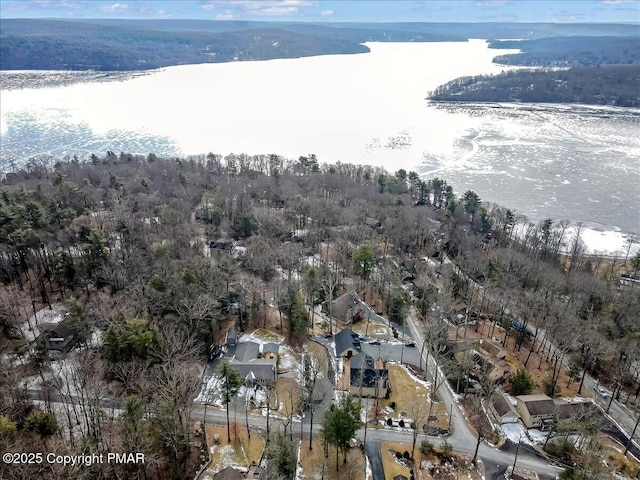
column 572, row 408
column 502, row 409
column 255, row 472
column 58, row 339
column 269, row 351
column 252, row 366
column 222, row 245
column 229, row 473
column 372, row 222
column 347, row 343
column 363, row 374
column 368, row 378
column 344, row 308
column 537, row 411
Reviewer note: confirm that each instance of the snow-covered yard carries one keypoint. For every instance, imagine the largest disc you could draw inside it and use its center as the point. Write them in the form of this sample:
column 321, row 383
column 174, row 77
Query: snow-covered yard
column 514, row 432
column 210, row 393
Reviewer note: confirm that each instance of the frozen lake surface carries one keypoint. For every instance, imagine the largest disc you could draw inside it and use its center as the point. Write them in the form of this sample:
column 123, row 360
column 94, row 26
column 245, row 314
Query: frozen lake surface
column 578, row 163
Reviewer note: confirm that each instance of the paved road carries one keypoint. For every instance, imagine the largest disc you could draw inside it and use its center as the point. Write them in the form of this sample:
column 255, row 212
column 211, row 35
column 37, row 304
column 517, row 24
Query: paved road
column 618, row 413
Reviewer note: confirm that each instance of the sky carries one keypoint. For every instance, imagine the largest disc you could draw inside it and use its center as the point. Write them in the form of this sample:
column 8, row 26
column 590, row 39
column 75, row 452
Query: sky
column 560, row 11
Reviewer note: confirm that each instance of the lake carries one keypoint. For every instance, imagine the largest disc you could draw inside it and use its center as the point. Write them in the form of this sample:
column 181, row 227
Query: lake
column 578, row 163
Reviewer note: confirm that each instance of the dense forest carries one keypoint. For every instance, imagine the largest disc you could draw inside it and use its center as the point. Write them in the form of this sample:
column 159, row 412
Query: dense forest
column 109, row 45
column 605, row 85
column 571, row 51
column 116, row 240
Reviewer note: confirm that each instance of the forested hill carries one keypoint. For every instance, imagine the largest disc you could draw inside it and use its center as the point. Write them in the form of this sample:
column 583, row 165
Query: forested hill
column 91, row 47
column 617, row 85
column 572, row 51
column 130, row 45
column 108, row 44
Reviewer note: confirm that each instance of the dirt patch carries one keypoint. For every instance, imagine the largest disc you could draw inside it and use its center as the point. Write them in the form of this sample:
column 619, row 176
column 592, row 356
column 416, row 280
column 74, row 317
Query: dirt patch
column 430, row 467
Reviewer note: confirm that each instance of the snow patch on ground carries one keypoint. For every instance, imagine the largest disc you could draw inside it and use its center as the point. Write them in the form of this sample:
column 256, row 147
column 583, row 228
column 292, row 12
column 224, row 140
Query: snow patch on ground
column 537, row 436
column 287, row 359
column 211, row 392
column 258, row 337
column 515, row 433
column 227, row 456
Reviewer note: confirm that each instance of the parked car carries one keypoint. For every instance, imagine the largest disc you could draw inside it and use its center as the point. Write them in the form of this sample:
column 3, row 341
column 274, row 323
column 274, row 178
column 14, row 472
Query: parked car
column 374, row 342
column 410, row 344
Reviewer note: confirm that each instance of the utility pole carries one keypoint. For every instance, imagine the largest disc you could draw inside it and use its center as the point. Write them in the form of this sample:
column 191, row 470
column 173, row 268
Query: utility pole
column 626, row 449
column 513, row 469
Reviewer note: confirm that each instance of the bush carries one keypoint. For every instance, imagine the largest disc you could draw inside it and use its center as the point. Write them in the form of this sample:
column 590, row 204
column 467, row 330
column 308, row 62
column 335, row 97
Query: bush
column 401, row 423
column 398, row 455
column 447, row 448
column 426, row 447
column 406, row 455
column 392, row 405
column 389, row 422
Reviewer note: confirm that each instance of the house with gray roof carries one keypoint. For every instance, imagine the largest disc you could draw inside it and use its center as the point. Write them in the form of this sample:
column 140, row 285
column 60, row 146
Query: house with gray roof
column 501, row 408
column 252, row 366
column 343, row 308
column 536, row 411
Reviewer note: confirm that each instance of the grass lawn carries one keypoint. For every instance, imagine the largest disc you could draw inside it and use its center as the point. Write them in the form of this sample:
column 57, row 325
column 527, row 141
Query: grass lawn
column 616, row 460
column 412, row 397
column 312, row 463
column 288, row 394
column 239, row 453
column 392, row 466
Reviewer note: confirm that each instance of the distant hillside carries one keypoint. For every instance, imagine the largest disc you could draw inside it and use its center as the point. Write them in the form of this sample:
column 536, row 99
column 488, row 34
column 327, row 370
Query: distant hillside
column 605, row 85
column 78, row 46
column 138, row 45
column 572, row 51
column 108, row 44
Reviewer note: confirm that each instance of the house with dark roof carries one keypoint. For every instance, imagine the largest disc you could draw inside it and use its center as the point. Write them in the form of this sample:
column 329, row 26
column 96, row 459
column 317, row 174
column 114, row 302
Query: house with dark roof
column 347, row 343
column 536, row 411
column 572, row 408
column 502, row 409
column 367, row 379
column 364, row 376
column 58, row 339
